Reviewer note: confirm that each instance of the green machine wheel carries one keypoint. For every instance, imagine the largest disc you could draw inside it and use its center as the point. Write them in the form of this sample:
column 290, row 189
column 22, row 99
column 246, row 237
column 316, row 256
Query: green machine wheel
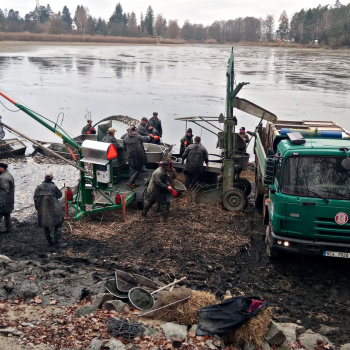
column 234, row 200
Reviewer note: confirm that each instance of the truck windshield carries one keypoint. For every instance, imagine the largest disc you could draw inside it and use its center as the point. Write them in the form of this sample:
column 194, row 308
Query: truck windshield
column 319, row 176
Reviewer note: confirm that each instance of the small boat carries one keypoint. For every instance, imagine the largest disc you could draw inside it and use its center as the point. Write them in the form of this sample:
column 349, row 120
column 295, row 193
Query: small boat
column 12, row 147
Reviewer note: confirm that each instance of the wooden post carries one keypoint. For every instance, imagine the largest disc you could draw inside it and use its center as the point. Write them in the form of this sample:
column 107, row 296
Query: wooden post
column 123, row 207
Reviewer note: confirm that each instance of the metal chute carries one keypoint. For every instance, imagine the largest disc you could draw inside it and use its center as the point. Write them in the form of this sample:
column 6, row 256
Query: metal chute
column 253, row 109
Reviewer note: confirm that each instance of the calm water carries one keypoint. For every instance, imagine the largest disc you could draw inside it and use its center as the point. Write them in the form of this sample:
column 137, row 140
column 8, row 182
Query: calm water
column 176, row 81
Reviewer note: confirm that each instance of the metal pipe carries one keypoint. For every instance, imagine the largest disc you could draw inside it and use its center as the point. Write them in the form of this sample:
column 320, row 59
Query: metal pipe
column 43, row 147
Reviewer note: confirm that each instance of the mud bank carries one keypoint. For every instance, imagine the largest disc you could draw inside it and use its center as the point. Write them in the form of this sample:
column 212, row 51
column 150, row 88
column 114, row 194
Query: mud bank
column 214, row 249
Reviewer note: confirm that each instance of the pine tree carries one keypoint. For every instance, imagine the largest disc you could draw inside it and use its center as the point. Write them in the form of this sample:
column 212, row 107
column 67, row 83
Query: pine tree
column 149, row 20
column 67, row 18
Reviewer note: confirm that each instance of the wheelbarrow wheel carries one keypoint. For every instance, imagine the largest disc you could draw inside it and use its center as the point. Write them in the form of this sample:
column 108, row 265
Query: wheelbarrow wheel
column 234, row 200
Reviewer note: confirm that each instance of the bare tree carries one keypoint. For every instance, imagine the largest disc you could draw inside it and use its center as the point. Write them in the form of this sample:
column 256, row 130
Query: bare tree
column 132, row 24
column 173, row 30
column 81, row 18
column 283, row 25
column 269, row 25
column 159, row 28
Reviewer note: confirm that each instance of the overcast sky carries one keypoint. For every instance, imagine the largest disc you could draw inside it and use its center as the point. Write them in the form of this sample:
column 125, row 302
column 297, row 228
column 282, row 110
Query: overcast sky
column 196, row 11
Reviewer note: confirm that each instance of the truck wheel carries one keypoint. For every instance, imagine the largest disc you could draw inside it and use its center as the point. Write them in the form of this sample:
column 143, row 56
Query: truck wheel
column 272, row 253
column 247, row 186
column 234, row 200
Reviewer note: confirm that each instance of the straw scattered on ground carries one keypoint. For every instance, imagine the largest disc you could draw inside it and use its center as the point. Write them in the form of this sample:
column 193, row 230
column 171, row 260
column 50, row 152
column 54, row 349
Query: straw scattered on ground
column 252, row 332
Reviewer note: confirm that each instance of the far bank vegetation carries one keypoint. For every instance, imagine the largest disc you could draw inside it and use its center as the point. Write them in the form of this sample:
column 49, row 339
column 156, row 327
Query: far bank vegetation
column 313, row 27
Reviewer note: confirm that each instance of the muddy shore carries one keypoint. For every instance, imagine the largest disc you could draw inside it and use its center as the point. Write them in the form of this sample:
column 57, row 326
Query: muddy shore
column 216, row 250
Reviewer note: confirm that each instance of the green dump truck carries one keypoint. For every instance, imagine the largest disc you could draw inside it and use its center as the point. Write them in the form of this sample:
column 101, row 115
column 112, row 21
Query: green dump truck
column 302, row 183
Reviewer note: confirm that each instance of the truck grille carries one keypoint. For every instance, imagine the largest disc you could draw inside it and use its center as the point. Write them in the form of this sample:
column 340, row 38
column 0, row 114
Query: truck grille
column 327, row 226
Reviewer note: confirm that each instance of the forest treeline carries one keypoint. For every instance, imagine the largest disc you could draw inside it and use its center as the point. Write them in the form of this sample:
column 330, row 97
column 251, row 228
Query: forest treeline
column 325, row 25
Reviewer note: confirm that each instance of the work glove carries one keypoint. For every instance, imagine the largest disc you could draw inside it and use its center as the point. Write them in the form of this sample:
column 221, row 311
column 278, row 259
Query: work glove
column 92, row 129
column 156, row 137
column 150, row 135
column 88, row 132
column 173, row 192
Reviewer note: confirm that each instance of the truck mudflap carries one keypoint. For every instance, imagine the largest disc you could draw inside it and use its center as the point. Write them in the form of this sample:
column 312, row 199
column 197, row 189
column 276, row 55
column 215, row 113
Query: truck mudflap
column 282, row 244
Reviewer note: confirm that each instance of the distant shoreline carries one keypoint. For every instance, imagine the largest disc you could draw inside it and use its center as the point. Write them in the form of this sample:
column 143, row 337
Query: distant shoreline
column 59, row 39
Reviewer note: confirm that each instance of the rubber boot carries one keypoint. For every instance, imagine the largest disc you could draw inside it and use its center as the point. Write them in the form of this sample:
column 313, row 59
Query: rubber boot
column 146, row 208
column 165, row 212
column 57, row 237
column 48, row 236
column 8, row 224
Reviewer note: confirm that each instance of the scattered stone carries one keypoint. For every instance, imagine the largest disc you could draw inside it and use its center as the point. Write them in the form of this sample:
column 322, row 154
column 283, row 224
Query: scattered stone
column 99, row 299
column 4, row 258
column 27, row 290
column 85, row 310
column 58, row 312
column 309, row 340
column 150, row 331
column 265, row 345
column 12, row 331
column 290, row 332
column 27, row 324
column 9, row 287
column 300, row 330
column 326, row 330
column 174, row 330
column 176, row 343
column 210, row 345
column 345, row 347
column 193, row 328
column 114, row 344
column 95, row 344
column 116, row 305
column 275, row 335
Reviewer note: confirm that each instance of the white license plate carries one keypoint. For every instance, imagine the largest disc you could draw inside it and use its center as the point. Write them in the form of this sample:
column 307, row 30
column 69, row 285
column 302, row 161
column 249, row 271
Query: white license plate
column 337, row 254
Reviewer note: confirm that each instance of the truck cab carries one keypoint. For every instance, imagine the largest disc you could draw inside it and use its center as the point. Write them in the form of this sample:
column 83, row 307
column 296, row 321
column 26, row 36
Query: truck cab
column 307, row 194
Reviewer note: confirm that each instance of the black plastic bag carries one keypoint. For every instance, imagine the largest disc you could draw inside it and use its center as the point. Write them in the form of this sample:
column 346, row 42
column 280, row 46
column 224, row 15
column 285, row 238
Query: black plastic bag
column 228, row 316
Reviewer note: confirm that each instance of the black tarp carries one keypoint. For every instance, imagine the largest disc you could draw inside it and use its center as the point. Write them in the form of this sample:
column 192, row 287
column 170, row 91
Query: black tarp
column 227, row 316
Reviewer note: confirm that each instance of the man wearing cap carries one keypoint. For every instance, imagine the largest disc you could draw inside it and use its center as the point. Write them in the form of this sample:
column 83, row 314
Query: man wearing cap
column 156, row 123
column 133, row 144
column 142, row 127
column 109, row 138
column 195, row 155
column 88, row 128
column 157, row 190
column 243, row 134
column 186, row 141
column 7, row 196
column 46, row 198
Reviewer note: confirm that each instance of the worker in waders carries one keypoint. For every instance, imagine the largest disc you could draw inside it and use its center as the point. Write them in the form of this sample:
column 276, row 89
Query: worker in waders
column 156, row 123
column 195, row 155
column 133, row 144
column 186, row 141
column 7, row 196
column 88, row 129
column 46, row 198
column 158, row 189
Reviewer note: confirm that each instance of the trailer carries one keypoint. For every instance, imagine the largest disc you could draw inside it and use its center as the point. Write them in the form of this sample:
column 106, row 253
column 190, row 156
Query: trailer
column 302, row 181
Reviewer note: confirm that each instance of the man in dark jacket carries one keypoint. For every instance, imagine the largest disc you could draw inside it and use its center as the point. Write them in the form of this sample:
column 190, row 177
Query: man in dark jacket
column 195, row 154
column 46, row 197
column 109, row 138
column 133, row 144
column 142, row 127
column 157, row 191
column 7, row 196
column 156, row 123
column 186, row 141
column 88, row 128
